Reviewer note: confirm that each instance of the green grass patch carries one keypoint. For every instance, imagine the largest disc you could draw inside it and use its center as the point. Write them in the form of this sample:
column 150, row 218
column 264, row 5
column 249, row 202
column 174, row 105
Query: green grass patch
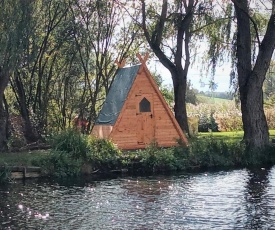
column 272, row 133
column 224, row 136
column 22, row 158
column 212, row 100
column 230, row 136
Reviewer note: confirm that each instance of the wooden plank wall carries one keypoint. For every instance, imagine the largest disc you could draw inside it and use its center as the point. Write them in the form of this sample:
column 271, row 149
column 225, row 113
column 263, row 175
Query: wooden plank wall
column 124, row 133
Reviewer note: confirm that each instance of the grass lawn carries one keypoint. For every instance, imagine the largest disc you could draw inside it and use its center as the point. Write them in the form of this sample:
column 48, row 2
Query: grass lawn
column 22, row 158
column 211, row 100
column 231, row 136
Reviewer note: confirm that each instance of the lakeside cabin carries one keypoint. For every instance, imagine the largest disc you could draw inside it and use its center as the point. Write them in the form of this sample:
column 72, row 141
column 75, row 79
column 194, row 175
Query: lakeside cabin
column 135, row 113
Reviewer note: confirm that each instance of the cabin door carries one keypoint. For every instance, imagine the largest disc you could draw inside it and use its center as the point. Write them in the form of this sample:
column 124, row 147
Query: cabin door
column 145, row 119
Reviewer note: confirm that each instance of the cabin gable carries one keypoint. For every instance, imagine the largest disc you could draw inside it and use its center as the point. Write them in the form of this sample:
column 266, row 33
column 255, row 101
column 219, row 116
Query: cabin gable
column 145, row 117
column 135, row 113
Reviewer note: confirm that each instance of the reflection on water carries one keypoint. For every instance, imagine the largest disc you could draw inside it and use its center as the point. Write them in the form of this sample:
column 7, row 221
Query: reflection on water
column 238, row 199
column 259, row 193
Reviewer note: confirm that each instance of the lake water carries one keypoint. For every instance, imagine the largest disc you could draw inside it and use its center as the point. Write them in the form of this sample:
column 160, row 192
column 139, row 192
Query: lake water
column 238, row 199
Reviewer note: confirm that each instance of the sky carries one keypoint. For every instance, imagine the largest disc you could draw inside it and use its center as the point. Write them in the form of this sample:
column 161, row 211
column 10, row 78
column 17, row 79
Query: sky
column 221, row 78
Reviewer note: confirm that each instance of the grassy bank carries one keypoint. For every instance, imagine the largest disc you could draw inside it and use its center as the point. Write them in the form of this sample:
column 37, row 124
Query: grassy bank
column 26, row 158
column 73, row 154
column 230, row 136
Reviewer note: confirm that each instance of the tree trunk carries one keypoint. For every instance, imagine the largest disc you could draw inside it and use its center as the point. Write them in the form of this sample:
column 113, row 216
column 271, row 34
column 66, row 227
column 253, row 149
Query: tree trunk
column 154, row 37
column 180, row 84
column 254, row 121
column 4, row 79
column 250, row 79
column 3, row 129
column 30, row 133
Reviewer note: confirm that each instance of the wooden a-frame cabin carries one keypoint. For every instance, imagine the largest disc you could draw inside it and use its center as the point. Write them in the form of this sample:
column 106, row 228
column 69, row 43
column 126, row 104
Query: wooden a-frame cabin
column 135, row 113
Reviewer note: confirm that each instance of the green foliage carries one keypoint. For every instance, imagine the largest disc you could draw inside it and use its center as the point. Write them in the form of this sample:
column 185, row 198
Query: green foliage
column 71, row 150
column 72, row 142
column 205, row 152
column 168, row 95
column 202, row 153
column 269, row 84
column 191, row 94
column 60, row 164
column 154, row 159
column 207, row 123
column 210, row 152
column 260, row 157
column 157, row 77
column 219, row 116
column 103, row 154
column 22, row 158
column 166, row 90
column 5, row 175
column 16, row 141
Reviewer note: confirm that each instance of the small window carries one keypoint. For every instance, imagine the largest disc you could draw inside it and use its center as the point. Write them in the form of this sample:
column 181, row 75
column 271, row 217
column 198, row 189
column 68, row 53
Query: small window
column 144, row 105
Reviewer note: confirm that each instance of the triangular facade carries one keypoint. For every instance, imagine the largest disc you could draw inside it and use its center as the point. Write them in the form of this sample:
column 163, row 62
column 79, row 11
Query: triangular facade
column 135, row 113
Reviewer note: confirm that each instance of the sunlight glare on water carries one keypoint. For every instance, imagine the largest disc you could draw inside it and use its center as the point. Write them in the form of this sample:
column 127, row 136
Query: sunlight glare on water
column 238, row 199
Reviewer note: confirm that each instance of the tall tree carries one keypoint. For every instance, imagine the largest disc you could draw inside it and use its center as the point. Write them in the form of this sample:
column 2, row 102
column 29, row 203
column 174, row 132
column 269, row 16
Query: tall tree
column 251, row 73
column 12, row 45
column 101, row 37
column 179, row 17
column 31, row 80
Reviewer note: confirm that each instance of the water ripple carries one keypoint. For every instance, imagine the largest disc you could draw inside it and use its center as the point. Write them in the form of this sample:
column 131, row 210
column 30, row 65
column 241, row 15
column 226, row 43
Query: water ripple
column 238, row 199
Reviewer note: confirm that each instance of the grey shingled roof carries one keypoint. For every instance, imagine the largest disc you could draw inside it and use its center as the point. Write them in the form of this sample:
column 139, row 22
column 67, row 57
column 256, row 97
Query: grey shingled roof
column 117, row 95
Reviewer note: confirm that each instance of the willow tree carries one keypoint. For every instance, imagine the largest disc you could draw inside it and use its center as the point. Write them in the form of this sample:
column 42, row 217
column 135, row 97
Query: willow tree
column 172, row 30
column 102, row 36
column 33, row 80
column 174, row 23
column 251, row 43
column 252, row 71
column 12, row 44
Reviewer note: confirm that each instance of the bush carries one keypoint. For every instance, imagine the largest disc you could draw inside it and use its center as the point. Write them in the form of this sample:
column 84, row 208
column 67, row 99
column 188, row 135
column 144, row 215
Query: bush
column 74, row 151
column 16, row 142
column 60, row 164
column 103, row 154
column 5, row 175
column 202, row 153
column 209, row 152
column 154, row 159
column 263, row 157
column 71, row 142
column 217, row 117
column 207, row 123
